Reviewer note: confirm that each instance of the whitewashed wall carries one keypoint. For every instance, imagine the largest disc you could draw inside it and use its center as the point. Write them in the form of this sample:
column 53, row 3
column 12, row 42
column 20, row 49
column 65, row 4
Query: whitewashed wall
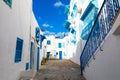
column 33, row 27
column 73, row 51
column 43, row 51
column 50, row 47
column 14, row 22
column 63, row 46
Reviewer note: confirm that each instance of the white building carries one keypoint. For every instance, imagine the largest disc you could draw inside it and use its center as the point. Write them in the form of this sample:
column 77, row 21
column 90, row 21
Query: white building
column 98, row 46
column 56, row 47
column 74, row 25
column 17, row 32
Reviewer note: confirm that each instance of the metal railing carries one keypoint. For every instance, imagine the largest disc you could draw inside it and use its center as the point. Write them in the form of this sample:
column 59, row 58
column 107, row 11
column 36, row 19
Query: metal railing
column 100, row 29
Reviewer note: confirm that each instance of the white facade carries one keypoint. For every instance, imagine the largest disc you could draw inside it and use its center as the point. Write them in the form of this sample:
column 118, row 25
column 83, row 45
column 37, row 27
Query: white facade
column 43, row 51
column 106, row 64
column 63, row 47
column 15, row 22
column 33, row 51
column 56, row 46
column 74, row 19
column 78, row 26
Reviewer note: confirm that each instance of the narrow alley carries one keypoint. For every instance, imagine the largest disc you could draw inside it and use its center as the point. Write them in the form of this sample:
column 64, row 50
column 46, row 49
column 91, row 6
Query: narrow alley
column 59, row 70
column 59, row 39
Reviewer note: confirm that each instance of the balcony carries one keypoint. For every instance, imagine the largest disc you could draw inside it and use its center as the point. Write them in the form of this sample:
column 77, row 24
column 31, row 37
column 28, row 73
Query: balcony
column 67, row 9
column 67, row 25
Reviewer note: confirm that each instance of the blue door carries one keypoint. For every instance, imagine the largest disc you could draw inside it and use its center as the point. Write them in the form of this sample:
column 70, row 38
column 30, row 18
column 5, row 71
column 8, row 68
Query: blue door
column 37, row 59
column 31, row 55
column 48, row 54
column 60, row 55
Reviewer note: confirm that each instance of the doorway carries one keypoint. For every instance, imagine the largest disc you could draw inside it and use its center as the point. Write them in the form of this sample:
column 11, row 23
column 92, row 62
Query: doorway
column 60, row 55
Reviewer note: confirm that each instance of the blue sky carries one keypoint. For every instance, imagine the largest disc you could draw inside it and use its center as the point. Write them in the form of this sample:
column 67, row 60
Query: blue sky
column 50, row 15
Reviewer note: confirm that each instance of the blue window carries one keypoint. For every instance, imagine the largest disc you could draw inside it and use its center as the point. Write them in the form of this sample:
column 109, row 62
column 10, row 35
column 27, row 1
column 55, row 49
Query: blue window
column 48, row 54
column 73, row 31
column 56, row 53
column 48, row 42
column 18, row 52
column 59, row 45
column 8, row 2
column 72, row 15
column 67, row 25
column 75, row 7
column 27, row 66
column 37, row 34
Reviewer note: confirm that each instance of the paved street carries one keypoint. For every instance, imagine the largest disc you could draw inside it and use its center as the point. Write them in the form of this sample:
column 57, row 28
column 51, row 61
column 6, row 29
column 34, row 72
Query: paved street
column 59, row 70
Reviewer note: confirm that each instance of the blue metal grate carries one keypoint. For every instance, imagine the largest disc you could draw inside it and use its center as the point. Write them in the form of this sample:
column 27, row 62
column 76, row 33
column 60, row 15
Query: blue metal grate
column 100, row 29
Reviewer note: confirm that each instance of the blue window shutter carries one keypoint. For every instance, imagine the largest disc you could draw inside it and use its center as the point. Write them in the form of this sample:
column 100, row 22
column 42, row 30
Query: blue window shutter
column 18, row 52
column 72, row 15
column 67, row 9
column 67, row 25
column 48, row 42
column 59, row 45
column 75, row 7
column 8, row 2
column 37, row 30
column 73, row 31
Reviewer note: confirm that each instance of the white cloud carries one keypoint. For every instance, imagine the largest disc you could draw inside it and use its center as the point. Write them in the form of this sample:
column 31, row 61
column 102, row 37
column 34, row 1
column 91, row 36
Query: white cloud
column 49, row 33
column 51, row 26
column 47, row 25
column 61, row 34
column 58, row 4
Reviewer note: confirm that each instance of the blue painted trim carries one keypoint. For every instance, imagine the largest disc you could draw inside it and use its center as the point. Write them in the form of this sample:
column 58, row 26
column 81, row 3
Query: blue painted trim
column 27, row 66
column 41, row 40
column 48, row 42
column 67, row 25
column 75, row 7
column 60, row 55
column 59, row 45
column 86, row 31
column 88, row 9
column 37, row 30
column 31, row 55
column 67, row 8
column 37, row 59
column 8, row 2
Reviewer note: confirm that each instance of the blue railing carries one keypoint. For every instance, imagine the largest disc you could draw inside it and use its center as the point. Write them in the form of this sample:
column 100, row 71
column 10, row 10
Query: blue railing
column 100, row 29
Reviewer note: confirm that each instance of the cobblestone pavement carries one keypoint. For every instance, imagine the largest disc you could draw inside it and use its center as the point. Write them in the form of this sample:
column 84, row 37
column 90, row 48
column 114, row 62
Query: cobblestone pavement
column 59, row 70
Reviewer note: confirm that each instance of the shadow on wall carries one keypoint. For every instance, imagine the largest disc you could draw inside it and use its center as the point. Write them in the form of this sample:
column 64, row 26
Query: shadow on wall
column 77, row 53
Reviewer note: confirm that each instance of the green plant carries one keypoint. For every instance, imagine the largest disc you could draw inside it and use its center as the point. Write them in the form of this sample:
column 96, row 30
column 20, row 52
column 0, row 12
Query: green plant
column 43, row 61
